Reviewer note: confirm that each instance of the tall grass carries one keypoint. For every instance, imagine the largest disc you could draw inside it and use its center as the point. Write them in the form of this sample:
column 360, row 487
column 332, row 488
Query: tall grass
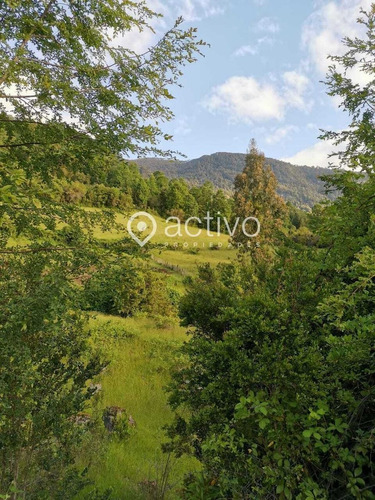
column 141, row 355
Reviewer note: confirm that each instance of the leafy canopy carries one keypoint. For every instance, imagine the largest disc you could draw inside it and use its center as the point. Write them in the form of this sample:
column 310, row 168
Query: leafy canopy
column 65, row 62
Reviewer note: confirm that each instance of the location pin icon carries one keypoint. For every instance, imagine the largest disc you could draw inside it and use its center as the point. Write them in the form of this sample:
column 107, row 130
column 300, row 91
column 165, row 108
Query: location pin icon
column 141, row 227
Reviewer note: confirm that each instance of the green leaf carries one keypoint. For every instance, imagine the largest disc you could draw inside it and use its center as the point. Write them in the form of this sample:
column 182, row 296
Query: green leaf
column 263, row 423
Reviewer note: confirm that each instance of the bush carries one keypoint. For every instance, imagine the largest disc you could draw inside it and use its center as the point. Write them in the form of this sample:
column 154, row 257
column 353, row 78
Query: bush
column 116, row 421
column 127, row 289
column 115, row 290
column 73, row 192
column 99, row 195
column 279, row 381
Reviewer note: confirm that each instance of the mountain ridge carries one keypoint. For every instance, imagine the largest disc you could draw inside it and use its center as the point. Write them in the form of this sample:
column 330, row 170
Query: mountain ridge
column 298, row 184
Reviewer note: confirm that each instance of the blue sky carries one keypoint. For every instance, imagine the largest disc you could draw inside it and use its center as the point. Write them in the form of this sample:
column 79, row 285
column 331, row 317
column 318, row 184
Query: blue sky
column 261, row 76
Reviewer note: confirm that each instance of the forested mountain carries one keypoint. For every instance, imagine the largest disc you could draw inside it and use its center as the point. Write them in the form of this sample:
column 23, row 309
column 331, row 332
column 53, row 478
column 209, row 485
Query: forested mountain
column 298, row 184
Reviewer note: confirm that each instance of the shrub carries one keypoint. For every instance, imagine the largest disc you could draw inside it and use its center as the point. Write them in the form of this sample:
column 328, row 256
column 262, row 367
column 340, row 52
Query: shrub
column 115, row 290
column 127, row 289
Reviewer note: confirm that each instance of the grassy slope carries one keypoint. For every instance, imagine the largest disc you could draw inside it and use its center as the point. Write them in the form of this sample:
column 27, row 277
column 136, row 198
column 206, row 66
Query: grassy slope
column 135, row 379
column 139, row 371
column 182, row 255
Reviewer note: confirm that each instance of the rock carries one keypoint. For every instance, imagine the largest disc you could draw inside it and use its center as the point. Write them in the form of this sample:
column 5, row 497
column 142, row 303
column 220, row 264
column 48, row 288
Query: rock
column 111, row 415
column 81, row 419
column 95, row 388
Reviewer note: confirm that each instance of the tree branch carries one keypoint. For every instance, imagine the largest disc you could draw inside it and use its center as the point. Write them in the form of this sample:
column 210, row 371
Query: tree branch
column 36, row 250
column 25, row 41
column 4, row 96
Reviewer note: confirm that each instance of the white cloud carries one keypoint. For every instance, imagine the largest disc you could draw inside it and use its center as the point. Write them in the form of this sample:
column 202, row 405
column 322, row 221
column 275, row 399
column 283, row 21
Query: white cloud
column 141, row 41
column 314, row 156
column 182, row 127
column 245, row 99
column 268, row 25
column 244, row 50
column 248, row 100
column 138, row 41
column 278, row 134
column 196, row 10
column 312, row 126
column 296, row 86
column 297, row 81
column 326, row 27
column 255, row 48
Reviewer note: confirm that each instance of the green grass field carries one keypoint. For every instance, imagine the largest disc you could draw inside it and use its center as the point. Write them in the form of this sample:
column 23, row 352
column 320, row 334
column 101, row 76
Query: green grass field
column 141, row 353
column 142, row 350
column 180, row 252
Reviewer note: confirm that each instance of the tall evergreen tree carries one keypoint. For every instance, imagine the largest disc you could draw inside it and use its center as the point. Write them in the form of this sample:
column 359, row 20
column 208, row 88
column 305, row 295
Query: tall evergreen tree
column 255, row 196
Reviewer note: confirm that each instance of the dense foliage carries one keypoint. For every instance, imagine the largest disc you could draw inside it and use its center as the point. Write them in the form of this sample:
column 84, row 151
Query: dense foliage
column 278, row 378
column 46, row 361
column 125, row 288
column 115, row 184
column 62, row 60
column 72, row 100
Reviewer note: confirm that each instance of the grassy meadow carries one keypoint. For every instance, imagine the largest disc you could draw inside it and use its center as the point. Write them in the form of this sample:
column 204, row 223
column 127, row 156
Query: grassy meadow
column 181, row 253
column 142, row 350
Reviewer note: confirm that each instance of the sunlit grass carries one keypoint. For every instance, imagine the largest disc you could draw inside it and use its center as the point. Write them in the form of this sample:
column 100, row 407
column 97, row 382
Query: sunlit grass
column 135, row 381
column 190, row 251
column 188, row 263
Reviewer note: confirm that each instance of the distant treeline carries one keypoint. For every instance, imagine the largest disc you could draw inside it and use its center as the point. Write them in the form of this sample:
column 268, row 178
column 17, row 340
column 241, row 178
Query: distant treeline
column 120, row 185
column 300, row 185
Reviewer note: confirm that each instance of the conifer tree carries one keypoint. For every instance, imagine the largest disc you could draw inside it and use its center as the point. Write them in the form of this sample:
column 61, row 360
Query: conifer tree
column 255, row 196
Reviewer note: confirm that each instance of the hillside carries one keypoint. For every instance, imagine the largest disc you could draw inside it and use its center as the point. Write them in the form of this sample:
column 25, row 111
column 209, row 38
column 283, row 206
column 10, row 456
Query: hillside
column 298, row 184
